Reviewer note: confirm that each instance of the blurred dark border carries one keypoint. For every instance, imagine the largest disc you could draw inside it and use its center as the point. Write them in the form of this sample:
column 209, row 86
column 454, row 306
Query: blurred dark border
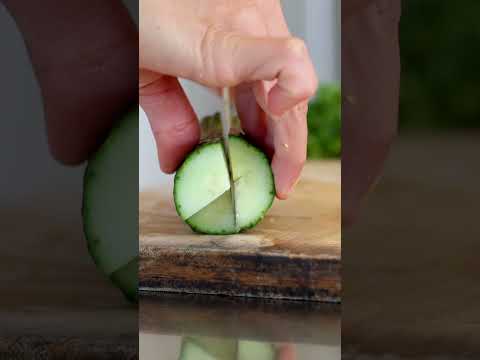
column 411, row 264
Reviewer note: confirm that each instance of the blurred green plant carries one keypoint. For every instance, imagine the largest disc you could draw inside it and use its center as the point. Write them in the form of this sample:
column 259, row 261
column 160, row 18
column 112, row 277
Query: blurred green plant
column 440, row 79
column 324, row 124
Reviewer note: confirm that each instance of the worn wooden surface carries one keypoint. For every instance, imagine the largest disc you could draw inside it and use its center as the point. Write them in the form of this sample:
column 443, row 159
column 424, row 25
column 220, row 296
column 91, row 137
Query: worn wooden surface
column 294, row 253
column 54, row 303
column 412, row 262
column 269, row 320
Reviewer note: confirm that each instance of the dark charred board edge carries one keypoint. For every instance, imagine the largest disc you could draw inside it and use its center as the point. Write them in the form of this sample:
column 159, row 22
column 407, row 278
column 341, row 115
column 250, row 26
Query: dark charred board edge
column 247, row 274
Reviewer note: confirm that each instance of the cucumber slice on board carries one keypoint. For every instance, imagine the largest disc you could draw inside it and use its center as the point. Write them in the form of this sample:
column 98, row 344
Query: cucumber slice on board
column 201, row 190
column 200, row 347
column 248, row 350
column 110, row 205
column 192, row 351
column 219, row 348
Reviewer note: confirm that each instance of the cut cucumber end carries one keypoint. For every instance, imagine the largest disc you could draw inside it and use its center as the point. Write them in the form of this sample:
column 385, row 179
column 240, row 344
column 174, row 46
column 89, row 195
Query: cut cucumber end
column 219, row 348
column 200, row 347
column 255, row 350
column 192, row 351
column 202, row 187
column 110, row 205
column 126, row 278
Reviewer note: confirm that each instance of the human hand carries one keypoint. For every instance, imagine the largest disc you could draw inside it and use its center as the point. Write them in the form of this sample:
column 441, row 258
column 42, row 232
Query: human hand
column 286, row 352
column 85, row 59
column 242, row 44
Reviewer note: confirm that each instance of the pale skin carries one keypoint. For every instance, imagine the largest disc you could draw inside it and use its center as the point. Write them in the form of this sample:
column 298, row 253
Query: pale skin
column 243, row 44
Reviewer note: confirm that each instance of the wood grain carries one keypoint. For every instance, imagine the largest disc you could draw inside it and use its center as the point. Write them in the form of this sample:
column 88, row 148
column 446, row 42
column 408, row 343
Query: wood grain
column 293, row 253
column 412, row 261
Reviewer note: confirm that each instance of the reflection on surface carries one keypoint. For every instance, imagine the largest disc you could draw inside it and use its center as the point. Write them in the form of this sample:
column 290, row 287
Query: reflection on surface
column 171, row 347
column 183, row 327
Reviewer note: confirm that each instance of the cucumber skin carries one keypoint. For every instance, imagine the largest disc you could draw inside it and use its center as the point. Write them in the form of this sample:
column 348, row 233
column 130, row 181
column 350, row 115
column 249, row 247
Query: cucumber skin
column 125, row 282
column 178, row 177
column 91, row 238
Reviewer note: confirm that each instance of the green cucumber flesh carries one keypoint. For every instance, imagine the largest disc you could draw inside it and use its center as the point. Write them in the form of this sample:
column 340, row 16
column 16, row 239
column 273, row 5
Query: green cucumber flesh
column 219, row 348
column 110, row 204
column 201, row 347
column 201, row 190
column 192, row 351
column 211, row 179
column 126, row 278
column 248, row 350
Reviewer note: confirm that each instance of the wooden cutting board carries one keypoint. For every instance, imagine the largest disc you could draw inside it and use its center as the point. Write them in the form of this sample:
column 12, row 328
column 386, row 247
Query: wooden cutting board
column 294, row 253
column 54, row 302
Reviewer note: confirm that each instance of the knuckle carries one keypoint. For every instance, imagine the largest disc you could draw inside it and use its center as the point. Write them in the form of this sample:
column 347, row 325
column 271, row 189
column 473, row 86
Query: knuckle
column 306, row 89
column 295, row 48
column 216, row 50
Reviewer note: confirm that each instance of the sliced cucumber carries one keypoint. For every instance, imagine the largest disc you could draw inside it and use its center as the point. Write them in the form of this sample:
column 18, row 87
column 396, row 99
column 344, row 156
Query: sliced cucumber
column 248, row 350
column 110, row 205
column 192, row 351
column 206, row 168
column 219, row 348
column 208, row 348
column 217, row 215
column 126, row 278
column 201, row 190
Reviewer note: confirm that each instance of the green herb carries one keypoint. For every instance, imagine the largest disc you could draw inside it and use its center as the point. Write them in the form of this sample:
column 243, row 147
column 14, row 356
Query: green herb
column 324, row 124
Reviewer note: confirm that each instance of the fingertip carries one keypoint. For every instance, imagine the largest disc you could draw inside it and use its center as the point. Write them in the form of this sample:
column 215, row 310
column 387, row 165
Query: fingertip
column 282, row 195
column 172, row 150
column 286, row 177
column 167, row 169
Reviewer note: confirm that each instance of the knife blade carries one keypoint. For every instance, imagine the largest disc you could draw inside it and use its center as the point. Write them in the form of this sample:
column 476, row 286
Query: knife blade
column 226, row 120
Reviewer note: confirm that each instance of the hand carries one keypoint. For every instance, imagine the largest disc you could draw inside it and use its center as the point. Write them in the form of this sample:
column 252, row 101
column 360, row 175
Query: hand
column 286, row 352
column 85, row 59
column 244, row 44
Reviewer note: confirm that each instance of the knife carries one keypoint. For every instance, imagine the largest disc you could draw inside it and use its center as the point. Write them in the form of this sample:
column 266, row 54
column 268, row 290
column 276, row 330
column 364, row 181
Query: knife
column 226, row 119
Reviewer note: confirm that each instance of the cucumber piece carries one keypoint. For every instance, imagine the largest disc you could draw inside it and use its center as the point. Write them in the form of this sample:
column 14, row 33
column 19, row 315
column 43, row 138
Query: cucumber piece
column 207, row 169
column 217, row 215
column 110, row 204
column 248, row 350
column 201, row 190
column 192, row 351
column 219, row 348
column 126, row 278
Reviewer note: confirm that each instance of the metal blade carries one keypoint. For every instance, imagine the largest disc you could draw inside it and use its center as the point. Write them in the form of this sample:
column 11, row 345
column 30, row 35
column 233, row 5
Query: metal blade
column 226, row 124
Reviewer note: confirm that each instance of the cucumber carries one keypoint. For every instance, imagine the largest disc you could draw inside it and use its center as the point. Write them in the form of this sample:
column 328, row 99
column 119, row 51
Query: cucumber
column 126, row 278
column 202, row 187
column 248, row 350
column 218, row 348
column 192, row 351
column 110, row 205
column 208, row 348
